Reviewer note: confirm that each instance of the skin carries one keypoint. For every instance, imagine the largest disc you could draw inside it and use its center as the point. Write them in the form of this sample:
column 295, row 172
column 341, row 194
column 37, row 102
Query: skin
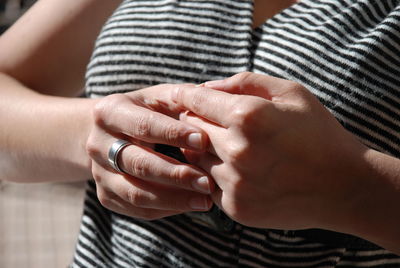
column 65, row 146
column 277, row 162
column 158, row 185
column 264, row 10
column 35, row 85
column 73, row 140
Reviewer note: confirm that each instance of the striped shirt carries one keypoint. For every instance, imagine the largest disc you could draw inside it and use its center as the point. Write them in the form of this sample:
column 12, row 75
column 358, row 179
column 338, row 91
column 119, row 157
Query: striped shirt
column 346, row 52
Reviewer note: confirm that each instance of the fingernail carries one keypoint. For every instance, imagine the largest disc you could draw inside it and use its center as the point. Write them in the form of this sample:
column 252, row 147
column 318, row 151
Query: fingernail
column 198, row 203
column 194, row 140
column 202, row 184
column 215, row 83
column 200, row 85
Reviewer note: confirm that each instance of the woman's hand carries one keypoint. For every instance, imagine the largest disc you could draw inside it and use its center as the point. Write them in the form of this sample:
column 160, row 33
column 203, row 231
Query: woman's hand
column 280, row 159
column 154, row 185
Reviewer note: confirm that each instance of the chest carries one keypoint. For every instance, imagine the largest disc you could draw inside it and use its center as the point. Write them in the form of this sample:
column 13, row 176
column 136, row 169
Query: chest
column 346, row 53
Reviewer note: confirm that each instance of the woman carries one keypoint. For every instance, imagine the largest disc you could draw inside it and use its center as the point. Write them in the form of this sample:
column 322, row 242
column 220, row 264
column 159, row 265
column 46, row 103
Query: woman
column 263, row 149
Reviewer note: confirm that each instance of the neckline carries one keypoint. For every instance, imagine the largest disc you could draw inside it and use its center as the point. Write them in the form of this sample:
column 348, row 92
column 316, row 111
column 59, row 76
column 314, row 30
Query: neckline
column 265, row 22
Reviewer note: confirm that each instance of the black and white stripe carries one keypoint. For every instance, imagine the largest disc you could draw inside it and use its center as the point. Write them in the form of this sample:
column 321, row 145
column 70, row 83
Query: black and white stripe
column 346, row 52
column 350, row 64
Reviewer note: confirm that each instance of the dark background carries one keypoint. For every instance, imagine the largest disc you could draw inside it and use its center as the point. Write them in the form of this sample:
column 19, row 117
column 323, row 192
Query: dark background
column 10, row 10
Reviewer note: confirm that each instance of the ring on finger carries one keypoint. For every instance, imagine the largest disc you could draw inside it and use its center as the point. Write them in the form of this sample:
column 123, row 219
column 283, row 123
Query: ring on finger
column 114, row 151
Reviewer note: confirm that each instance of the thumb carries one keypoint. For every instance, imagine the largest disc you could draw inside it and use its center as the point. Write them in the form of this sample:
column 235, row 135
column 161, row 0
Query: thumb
column 247, row 83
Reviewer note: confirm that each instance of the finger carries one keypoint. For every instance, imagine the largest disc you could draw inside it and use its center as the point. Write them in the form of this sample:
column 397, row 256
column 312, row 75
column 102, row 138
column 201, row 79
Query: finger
column 157, row 98
column 144, row 194
column 221, row 174
column 226, row 144
column 118, row 114
column 151, row 166
column 213, row 165
column 215, row 106
column 217, row 134
column 267, row 87
column 148, row 165
column 113, row 202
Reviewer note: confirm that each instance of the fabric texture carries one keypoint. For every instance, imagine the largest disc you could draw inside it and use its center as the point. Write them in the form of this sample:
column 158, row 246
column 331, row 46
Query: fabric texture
column 346, row 52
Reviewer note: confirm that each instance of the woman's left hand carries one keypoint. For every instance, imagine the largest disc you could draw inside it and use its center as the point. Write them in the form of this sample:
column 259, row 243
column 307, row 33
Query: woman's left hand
column 280, row 159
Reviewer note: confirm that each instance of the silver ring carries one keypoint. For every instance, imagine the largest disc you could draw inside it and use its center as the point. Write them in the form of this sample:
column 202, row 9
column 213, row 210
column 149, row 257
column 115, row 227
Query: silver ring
column 114, row 151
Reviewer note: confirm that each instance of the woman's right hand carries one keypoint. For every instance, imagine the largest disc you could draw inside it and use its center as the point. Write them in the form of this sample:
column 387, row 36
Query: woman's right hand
column 153, row 185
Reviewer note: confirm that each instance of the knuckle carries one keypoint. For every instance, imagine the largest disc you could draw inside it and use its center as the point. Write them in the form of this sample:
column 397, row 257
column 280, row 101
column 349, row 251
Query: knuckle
column 175, row 202
column 139, row 166
column 296, row 90
column 246, row 113
column 91, row 146
column 142, row 126
column 250, row 121
column 98, row 178
column 243, row 77
column 104, row 199
column 172, row 134
column 240, row 115
column 97, row 174
column 303, row 92
column 294, row 86
column 99, row 111
column 198, row 101
column 178, row 174
column 134, row 196
column 237, row 152
column 115, row 99
column 104, row 107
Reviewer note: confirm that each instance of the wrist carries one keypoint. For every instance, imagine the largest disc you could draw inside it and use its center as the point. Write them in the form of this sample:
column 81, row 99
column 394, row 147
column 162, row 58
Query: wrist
column 73, row 120
column 43, row 137
column 373, row 212
column 48, row 134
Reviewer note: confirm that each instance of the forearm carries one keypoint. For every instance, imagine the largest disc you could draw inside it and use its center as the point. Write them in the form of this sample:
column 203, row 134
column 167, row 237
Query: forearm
column 375, row 215
column 49, row 47
column 42, row 138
